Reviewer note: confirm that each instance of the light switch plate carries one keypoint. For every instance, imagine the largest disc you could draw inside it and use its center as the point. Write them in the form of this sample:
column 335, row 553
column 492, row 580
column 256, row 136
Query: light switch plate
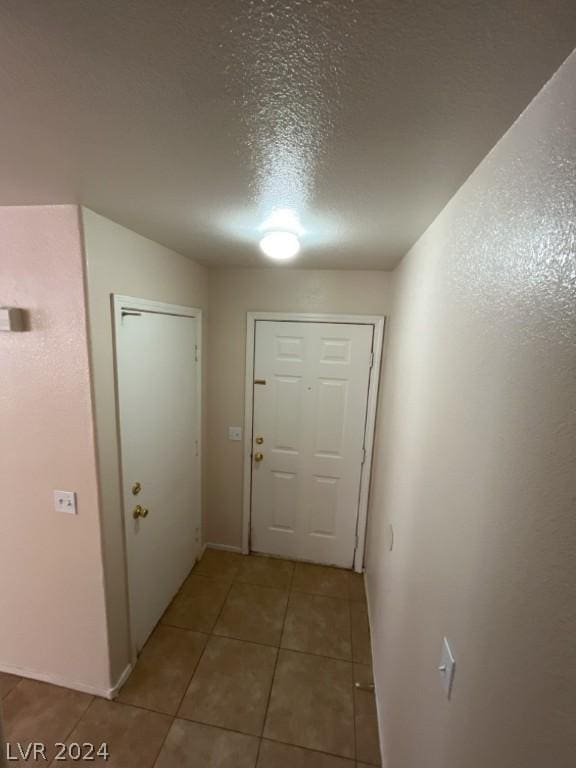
column 234, row 433
column 447, row 667
column 65, row 501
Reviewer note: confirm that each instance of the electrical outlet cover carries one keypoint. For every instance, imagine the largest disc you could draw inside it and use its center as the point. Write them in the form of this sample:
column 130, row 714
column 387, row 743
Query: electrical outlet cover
column 65, row 501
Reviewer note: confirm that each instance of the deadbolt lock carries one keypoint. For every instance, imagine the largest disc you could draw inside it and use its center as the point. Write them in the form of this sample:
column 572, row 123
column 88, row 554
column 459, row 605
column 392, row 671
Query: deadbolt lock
column 259, row 440
column 136, row 488
column 258, row 456
column 139, row 511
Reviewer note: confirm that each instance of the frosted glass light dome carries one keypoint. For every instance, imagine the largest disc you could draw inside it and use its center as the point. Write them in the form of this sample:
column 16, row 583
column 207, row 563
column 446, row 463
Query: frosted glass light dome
column 280, row 245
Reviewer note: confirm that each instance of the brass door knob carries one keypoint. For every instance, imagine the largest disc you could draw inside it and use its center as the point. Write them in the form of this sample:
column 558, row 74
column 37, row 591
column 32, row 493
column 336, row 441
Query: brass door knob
column 139, row 511
column 259, row 440
column 258, row 456
column 136, row 488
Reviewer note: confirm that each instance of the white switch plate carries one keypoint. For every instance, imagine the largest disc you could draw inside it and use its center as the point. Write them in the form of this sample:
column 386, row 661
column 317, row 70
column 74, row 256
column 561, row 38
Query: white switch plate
column 65, row 501
column 234, row 433
column 447, row 668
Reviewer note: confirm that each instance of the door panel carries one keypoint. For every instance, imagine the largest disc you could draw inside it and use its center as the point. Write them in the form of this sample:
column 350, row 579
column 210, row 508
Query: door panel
column 311, row 414
column 288, row 403
column 157, row 380
column 331, row 413
column 284, row 501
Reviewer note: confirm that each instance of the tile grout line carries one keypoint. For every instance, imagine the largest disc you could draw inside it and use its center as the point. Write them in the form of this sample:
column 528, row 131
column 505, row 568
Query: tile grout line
column 189, row 680
column 76, row 724
column 321, row 594
column 275, row 667
column 252, row 735
column 163, row 742
column 230, row 730
column 173, row 717
column 351, row 760
column 348, row 660
column 11, row 691
column 209, row 635
column 20, row 680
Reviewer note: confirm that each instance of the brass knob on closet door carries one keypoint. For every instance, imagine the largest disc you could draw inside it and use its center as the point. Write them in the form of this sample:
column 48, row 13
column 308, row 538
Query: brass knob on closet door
column 259, row 440
column 139, row 511
column 258, row 456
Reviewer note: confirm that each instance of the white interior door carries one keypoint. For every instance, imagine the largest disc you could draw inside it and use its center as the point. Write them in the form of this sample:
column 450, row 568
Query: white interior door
column 309, row 416
column 159, row 431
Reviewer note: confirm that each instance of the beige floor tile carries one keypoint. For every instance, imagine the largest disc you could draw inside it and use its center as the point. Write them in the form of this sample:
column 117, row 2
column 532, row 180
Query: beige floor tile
column 317, row 624
column 275, row 755
column 219, row 564
column 365, row 718
column 38, row 712
column 164, row 669
column 356, row 587
column 191, row 745
column 361, row 650
column 311, row 704
column 133, row 736
column 363, row 674
column 7, row 683
column 253, row 613
column 266, row 571
column 320, row 580
column 231, row 685
column 197, row 605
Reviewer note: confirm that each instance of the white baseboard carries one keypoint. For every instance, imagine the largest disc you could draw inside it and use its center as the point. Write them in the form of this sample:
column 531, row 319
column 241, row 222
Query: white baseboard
column 63, row 682
column 225, row 547
column 376, row 696
column 121, row 680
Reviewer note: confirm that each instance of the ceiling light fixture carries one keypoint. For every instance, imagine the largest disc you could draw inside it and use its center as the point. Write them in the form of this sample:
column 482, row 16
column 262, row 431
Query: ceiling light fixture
column 280, row 245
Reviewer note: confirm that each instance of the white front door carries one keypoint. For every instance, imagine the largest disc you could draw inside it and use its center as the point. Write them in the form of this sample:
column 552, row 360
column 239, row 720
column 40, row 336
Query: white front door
column 310, row 402
column 159, row 431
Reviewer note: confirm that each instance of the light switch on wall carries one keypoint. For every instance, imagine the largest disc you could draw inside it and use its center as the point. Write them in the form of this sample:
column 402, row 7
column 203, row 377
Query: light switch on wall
column 447, row 667
column 65, row 501
column 234, row 433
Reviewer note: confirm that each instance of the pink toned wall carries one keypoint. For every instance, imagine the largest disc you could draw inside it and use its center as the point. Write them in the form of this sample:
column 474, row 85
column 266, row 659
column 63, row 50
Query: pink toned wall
column 475, row 467
column 53, row 621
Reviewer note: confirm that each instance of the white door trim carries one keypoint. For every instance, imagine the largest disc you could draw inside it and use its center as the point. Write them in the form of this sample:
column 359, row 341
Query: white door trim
column 119, row 303
column 377, row 321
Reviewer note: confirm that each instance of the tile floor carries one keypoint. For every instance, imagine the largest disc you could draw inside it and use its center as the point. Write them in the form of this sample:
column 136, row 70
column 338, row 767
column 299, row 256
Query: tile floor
column 252, row 666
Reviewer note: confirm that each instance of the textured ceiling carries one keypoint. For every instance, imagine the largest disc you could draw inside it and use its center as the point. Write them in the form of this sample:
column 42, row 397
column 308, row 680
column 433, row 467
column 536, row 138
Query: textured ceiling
column 191, row 122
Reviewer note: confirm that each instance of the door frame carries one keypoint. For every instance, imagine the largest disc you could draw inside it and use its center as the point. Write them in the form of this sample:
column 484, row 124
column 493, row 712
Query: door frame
column 378, row 323
column 120, row 302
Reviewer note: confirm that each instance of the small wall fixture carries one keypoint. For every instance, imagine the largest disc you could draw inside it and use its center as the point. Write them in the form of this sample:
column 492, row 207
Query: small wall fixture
column 280, row 245
column 12, row 319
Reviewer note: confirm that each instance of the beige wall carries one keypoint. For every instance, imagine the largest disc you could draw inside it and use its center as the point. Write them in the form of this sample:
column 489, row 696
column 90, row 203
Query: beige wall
column 232, row 293
column 120, row 261
column 475, row 465
column 52, row 609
